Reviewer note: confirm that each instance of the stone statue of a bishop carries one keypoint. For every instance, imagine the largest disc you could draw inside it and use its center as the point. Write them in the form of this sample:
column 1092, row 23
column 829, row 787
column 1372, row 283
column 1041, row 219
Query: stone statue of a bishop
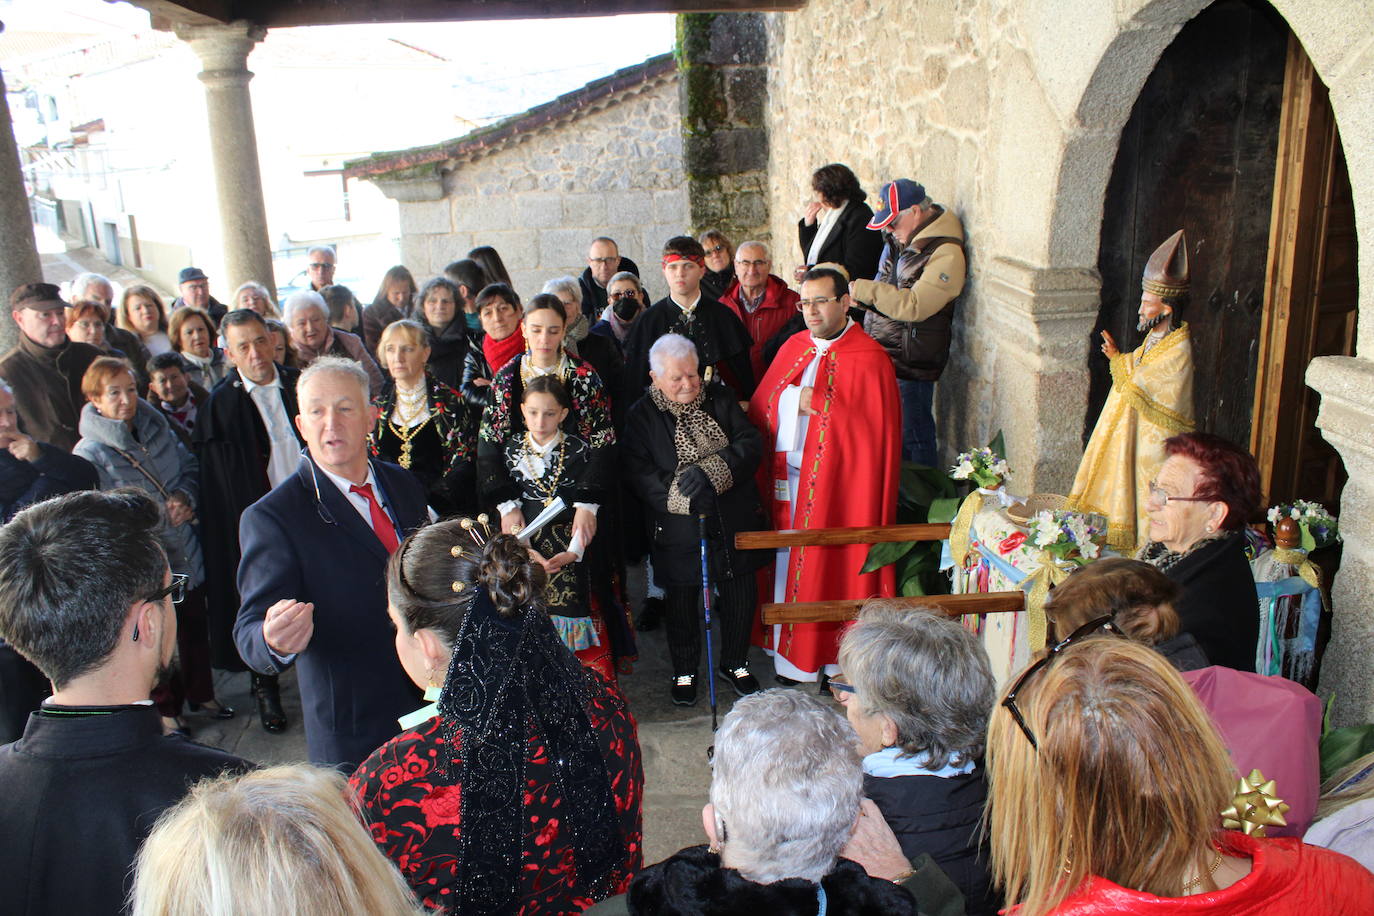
column 1151, row 399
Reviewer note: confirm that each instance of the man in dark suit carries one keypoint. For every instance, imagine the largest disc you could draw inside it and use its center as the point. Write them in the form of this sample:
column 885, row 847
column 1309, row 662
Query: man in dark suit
column 86, row 594
column 313, row 574
column 247, row 444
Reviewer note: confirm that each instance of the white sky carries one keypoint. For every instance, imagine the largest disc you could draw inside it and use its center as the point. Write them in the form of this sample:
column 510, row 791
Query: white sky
column 504, row 67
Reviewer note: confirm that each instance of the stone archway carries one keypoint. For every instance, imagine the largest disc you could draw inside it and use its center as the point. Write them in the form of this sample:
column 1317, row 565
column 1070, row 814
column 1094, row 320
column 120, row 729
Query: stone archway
column 1345, row 383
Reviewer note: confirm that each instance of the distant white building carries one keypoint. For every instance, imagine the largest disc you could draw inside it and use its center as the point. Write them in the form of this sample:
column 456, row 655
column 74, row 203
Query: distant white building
column 112, row 130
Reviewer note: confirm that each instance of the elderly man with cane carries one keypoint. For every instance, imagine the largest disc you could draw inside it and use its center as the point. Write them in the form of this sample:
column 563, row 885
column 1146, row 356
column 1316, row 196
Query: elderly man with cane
column 690, row 453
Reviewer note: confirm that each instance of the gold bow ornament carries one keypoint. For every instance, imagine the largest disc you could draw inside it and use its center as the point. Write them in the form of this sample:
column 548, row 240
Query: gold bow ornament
column 1254, row 807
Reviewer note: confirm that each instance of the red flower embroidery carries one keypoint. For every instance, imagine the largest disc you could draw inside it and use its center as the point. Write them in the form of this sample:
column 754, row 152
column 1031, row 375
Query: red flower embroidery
column 549, row 831
column 442, row 806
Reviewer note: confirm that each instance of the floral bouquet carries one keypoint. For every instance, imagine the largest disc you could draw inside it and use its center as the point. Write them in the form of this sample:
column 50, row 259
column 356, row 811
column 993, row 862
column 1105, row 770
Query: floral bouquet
column 1319, row 527
column 1067, row 535
column 984, row 466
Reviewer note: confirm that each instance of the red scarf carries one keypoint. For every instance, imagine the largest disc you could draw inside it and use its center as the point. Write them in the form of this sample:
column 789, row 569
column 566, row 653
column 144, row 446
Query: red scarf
column 500, row 352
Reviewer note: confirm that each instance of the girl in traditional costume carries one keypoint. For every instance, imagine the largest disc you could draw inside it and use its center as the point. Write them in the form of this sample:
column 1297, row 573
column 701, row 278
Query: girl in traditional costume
column 547, row 464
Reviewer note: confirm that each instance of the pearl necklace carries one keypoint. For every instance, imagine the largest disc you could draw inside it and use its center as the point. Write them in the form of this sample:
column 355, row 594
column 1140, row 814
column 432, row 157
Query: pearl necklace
column 412, row 405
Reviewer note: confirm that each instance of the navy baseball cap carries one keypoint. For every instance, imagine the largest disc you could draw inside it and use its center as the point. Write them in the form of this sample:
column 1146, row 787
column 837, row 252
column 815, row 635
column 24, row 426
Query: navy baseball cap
column 897, row 196
column 191, row 273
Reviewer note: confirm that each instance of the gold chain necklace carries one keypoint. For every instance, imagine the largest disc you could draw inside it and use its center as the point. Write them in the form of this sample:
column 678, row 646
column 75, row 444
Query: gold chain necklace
column 547, row 492
column 405, row 435
column 529, row 372
column 1210, row 872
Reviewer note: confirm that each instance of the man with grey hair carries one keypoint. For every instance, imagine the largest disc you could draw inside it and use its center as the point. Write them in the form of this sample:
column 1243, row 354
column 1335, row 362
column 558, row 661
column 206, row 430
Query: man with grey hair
column 761, row 299
column 319, row 266
column 306, row 316
column 604, row 261
column 918, row 689
column 322, row 602
column 788, row 829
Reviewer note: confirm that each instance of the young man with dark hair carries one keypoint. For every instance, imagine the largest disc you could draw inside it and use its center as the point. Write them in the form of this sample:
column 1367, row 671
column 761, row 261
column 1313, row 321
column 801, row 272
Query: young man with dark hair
column 86, row 594
column 720, row 337
column 830, row 384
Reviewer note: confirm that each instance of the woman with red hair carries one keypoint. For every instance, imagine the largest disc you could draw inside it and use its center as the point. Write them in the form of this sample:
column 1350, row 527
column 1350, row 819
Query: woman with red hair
column 1198, row 506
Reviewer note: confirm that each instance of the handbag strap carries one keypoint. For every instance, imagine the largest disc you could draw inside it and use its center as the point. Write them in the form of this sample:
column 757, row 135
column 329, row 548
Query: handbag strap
column 144, row 471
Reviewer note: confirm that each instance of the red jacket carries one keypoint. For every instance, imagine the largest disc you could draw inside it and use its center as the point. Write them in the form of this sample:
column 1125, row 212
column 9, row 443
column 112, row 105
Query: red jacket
column 777, row 308
column 1287, row 878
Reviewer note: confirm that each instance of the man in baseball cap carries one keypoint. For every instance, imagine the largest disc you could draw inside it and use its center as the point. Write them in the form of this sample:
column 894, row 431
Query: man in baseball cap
column 912, row 302
column 45, row 367
column 194, row 287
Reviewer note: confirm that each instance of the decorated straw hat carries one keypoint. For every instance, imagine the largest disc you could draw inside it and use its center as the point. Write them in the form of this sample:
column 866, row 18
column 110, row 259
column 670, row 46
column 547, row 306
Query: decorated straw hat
column 1023, row 512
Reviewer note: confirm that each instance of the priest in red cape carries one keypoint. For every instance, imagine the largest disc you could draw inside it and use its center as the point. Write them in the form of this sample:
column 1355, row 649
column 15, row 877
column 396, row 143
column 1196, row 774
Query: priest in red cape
column 829, row 405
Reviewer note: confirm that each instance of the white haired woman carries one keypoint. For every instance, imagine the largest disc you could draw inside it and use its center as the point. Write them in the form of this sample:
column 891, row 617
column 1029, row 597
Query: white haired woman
column 918, row 689
column 690, row 452
column 780, row 834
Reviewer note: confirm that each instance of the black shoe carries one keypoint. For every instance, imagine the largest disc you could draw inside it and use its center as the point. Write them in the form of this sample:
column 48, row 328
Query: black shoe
column 740, row 679
column 685, row 690
column 785, row 681
column 650, row 614
column 214, row 709
column 268, row 695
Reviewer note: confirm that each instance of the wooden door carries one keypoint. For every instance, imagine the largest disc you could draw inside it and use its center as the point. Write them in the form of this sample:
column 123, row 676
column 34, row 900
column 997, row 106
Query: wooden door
column 1198, row 153
column 1310, row 292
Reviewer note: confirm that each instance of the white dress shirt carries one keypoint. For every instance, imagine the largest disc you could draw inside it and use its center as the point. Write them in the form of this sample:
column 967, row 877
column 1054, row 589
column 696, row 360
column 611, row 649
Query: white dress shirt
column 286, row 449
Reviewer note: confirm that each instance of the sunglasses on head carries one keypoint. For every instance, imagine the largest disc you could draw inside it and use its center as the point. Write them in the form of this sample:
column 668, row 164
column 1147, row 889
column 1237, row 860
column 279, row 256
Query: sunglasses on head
column 1088, row 629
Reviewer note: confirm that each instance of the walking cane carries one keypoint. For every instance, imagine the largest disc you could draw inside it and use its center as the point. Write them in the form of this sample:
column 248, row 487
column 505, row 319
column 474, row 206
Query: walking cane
column 706, row 603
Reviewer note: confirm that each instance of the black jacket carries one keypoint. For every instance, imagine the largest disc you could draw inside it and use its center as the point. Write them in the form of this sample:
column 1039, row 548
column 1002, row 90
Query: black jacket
column 939, row 816
column 448, row 348
column 720, row 337
column 715, row 283
column 475, row 366
column 234, row 449
column 693, row 882
column 52, row 473
column 78, row 795
column 850, row 243
column 47, row 387
column 649, row 461
column 1217, row 601
column 594, row 295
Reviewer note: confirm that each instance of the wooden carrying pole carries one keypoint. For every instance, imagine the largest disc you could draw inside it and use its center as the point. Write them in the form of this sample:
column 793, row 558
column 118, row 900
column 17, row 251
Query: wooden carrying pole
column 839, row 611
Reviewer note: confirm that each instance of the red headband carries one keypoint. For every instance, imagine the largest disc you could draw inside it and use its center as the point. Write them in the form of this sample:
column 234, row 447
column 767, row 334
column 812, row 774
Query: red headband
column 695, row 259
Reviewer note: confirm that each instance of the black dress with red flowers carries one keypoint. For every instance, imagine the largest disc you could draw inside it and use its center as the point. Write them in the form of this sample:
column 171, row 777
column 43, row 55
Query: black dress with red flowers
column 412, row 797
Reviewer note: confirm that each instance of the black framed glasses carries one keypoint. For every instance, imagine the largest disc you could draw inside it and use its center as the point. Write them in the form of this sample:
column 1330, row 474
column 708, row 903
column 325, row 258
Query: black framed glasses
column 176, row 588
column 1078, row 635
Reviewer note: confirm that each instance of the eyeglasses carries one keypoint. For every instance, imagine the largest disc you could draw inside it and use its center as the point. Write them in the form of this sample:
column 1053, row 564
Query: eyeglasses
column 603, row 260
column 321, row 266
column 176, row 588
column 1162, row 499
column 624, row 294
column 839, row 683
column 755, row 263
column 716, row 250
column 1088, row 629
column 804, row 304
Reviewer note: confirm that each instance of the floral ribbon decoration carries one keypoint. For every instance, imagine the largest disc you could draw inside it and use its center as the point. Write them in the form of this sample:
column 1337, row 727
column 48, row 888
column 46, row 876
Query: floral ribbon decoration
column 1254, row 807
column 986, row 468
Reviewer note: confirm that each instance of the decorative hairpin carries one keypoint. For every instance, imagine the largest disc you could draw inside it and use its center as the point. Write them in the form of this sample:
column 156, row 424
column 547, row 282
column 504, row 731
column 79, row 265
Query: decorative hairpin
column 456, row 551
column 470, row 527
column 459, row 586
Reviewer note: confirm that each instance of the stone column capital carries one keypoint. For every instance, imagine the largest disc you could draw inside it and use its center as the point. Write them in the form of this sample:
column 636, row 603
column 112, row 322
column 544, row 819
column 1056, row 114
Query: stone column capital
column 223, row 49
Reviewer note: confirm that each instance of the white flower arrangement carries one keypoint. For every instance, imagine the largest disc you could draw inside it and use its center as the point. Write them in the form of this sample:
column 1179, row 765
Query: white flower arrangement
column 1067, row 535
column 983, row 466
column 1319, row 527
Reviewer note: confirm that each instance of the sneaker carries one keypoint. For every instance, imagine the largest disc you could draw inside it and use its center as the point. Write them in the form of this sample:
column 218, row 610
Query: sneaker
column 741, row 679
column 685, row 690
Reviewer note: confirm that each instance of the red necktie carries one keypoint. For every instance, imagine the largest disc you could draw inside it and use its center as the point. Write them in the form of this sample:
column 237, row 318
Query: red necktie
column 381, row 522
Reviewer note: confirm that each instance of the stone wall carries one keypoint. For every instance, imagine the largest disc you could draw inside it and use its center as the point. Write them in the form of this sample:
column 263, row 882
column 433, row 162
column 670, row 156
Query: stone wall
column 1011, row 115
column 541, row 199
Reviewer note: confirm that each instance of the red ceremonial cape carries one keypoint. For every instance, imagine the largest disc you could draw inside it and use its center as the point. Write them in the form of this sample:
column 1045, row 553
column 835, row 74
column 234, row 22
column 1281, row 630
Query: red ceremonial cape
column 849, row 476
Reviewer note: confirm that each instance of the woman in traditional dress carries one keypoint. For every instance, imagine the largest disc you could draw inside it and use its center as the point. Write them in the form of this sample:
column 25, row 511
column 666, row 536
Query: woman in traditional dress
column 141, row 312
column 193, row 336
column 423, row 424
column 498, row 309
column 547, row 464
column 589, row 419
column 519, row 791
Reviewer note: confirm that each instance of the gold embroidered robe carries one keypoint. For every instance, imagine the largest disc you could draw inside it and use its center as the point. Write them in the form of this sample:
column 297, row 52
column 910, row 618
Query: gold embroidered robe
column 1151, row 399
